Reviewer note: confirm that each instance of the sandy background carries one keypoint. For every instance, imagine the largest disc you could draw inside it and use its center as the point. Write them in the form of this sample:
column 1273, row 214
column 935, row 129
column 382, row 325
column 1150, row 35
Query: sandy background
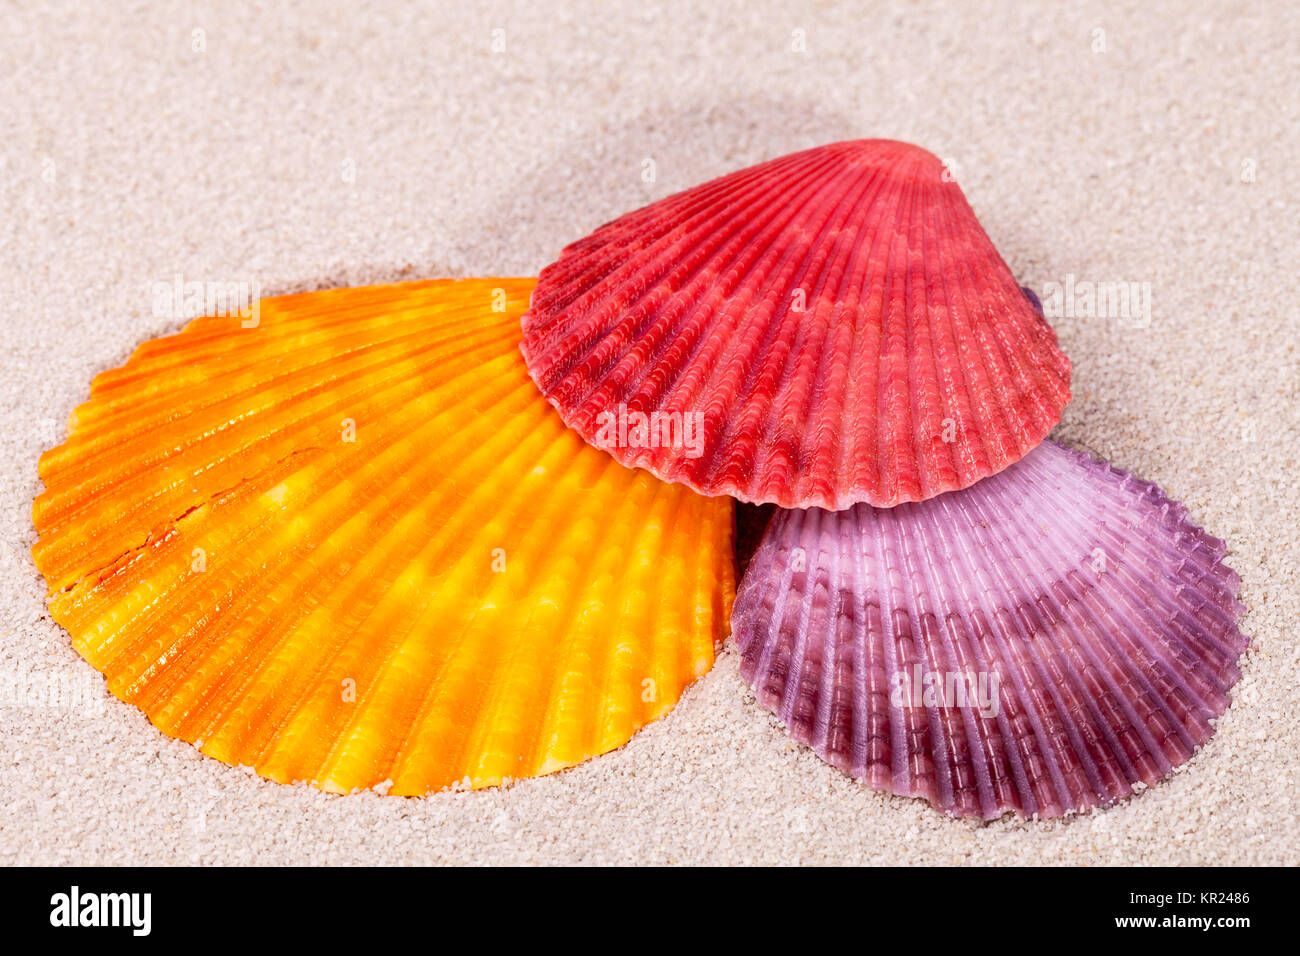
column 328, row 145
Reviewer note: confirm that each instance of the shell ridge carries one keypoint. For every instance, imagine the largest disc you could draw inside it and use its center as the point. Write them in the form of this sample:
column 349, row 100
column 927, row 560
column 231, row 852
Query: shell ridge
column 961, row 559
column 159, row 610
column 436, row 690
column 825, row 661
column 887, row 720
column 1033, row 677
column 915, row 730
column 155, row 676
column 950, row 377
column 146, row 429
column 889, row 641
column 973, row 325
column 683, row 303
column 801, row 392
column 690, row 205
column 1107, row 677
column 621, row 236
column 862, row 700
column 749, row 355
column 942, row 749
column 58, row 520
column 957, row 659
column 329, row 545
column 606, row 712
column 234, row 687
column 792, row 713
column 178, row 351
column 915, row 466
column 691, row 307
column 59, row 528
column 819, row 407
column 690, row 277
column 887, row 478
column 1139, row 605
column 673, row 385
column 135, row 407
column 474, row 740
column 964, row 451
column 1166, row 646
column 868, row 316
column 773, row 645
column 1080, row 641
column 400, row 746
column 1088, row 642
column 543, row 743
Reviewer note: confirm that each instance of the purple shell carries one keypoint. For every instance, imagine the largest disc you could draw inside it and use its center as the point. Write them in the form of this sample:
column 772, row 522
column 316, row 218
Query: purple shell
column 1039, row 642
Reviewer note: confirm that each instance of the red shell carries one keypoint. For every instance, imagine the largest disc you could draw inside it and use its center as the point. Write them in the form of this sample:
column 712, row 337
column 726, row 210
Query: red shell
column 826, row 328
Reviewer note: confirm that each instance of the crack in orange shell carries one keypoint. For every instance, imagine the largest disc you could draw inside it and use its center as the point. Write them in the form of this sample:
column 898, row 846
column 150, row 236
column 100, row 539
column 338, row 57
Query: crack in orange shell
column 353, row 546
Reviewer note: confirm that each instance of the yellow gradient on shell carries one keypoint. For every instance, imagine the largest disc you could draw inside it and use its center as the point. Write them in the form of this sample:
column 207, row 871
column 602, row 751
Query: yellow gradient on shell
column 346, row 541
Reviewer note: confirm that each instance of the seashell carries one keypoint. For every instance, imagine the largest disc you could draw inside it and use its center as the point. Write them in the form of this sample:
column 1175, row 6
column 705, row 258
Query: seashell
column 353, row 546
column 1040, row 643
column 830, row 327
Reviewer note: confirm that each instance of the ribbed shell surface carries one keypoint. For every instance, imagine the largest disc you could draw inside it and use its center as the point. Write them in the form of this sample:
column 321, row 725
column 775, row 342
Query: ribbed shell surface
column 835, row 325
column 353, row 546
column 1038, row 643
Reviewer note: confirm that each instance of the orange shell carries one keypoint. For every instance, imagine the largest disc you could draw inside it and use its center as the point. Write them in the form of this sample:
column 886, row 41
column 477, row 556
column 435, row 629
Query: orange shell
column 353, row 546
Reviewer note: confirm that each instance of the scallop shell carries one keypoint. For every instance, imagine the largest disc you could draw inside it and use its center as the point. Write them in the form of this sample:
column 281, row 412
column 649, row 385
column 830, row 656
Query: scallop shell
column 827, row 328
column 353, row 546
column 1039, row 643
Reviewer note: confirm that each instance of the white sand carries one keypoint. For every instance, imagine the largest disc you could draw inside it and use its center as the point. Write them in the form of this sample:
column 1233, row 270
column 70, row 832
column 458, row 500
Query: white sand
column 1123, row 165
